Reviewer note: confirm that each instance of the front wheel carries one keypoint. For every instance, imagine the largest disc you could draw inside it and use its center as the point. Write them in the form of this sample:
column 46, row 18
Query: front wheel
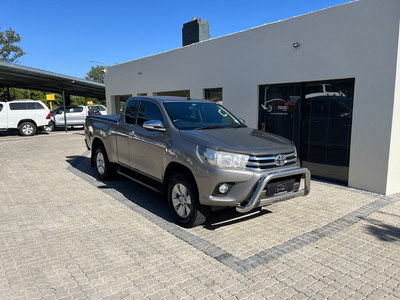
column 183, row 201
column 27, row 128
column 104, row 168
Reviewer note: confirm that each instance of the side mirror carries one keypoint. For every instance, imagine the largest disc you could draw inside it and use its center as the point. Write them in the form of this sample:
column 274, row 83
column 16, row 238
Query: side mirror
column 154, row 125
column 241, row 120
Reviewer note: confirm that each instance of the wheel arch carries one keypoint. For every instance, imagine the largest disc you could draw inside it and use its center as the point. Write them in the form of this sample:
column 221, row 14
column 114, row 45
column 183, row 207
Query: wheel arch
column 175, row 168
column 27, row 120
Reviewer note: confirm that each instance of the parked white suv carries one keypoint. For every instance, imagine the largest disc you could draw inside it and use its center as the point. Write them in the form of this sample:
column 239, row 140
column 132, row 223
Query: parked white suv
column 75, row 115
column 25, row 115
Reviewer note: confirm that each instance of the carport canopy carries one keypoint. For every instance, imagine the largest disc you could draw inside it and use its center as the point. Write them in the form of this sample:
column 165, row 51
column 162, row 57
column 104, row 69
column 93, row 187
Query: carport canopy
column 17, row 76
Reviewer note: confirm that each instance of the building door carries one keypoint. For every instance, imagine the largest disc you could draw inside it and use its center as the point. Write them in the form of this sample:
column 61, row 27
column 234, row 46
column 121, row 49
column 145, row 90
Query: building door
column 317, row 116
column 327, row 118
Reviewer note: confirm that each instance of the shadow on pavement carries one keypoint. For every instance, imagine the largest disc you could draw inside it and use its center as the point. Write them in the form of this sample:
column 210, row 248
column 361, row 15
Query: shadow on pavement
column 15, row 133
column 382, row 231
column 130, row 190
column 152, row 201
column 230, row 216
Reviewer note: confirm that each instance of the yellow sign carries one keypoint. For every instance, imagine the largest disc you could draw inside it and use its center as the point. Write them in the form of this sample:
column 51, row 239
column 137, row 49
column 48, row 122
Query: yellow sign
column 50, row 97
column 90, row 102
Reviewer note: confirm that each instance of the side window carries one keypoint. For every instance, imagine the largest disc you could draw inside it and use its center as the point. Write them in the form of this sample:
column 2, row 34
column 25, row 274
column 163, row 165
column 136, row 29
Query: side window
column 1, row 107
column 130, row 112
column 149, row 111
column 39, row 106
column 18, row 106
column 34, row 105
column 76, row 109
column 31, row 105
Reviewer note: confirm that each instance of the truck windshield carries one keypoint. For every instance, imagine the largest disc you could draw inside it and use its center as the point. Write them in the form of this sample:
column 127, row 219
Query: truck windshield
column 189, row 116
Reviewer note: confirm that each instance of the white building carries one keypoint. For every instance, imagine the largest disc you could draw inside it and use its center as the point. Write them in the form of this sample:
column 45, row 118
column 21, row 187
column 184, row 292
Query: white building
column 336, row 92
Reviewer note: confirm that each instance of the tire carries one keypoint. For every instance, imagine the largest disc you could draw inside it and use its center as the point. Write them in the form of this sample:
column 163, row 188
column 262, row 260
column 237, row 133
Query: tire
column 49, row 127
column 27, row 128
column 183, row 201
column 104, row 169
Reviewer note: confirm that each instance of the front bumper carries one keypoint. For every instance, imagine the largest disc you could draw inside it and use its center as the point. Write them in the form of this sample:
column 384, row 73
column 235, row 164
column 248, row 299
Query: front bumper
column 260, row 197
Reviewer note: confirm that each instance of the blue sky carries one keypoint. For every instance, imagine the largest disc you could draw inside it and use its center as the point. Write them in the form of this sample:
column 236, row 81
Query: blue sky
column 64, row 36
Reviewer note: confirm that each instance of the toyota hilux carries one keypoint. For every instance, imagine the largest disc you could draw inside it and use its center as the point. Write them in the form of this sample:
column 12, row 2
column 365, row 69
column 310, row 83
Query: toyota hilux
column 197, row 154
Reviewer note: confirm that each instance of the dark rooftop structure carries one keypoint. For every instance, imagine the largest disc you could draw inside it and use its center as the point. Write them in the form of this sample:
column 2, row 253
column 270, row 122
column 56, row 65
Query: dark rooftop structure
column 195, row 31
column 17, row 76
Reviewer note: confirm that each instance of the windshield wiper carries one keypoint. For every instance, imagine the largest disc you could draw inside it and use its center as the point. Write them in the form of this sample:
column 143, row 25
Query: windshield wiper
column 210, row 127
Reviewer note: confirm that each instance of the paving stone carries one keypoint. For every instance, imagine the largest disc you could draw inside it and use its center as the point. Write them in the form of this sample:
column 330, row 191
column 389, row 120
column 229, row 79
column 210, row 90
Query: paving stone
column 66, row 235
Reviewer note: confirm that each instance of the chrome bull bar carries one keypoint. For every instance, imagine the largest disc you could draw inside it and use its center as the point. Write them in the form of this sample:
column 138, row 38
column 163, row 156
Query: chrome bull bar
column 255, row 201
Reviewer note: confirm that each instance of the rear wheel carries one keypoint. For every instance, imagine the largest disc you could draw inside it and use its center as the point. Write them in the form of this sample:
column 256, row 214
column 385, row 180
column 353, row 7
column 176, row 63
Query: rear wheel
column 183, row 201
column 49, row 127
column 27, row 128
column 104, row 169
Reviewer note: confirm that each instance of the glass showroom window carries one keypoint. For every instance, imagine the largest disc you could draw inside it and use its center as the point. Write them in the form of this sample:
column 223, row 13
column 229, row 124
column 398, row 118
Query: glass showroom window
column 317, row 116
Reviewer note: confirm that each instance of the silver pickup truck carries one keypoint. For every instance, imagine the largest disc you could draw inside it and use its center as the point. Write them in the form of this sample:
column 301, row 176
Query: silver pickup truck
column 197, row 154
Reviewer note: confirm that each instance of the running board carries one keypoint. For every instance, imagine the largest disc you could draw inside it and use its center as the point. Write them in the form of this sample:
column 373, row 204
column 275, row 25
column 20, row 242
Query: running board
column 147, row 182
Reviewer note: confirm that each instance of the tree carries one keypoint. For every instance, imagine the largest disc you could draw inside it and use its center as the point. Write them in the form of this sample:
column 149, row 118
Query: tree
column 9, row 52
column 19, row 94
column 96, row 74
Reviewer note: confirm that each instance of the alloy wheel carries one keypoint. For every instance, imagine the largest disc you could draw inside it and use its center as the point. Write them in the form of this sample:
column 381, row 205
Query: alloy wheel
column 100, row 165
column 181, row 200
column 27, row 129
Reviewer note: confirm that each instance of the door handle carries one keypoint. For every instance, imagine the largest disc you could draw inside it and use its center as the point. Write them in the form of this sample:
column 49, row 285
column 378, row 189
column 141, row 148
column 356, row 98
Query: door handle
column 132, row 133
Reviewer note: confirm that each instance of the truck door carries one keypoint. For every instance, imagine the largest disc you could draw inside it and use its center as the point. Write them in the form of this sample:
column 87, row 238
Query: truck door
column 122, row 132
column 3, row 116
column 147, row 148
column 59, row 117
column 77, row 116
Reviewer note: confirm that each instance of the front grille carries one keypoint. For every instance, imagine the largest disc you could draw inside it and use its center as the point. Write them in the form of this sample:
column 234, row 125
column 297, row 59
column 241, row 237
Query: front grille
column 262, row 162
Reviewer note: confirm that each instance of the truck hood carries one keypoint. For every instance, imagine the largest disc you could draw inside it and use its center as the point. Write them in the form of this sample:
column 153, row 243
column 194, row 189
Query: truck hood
column 243, row 140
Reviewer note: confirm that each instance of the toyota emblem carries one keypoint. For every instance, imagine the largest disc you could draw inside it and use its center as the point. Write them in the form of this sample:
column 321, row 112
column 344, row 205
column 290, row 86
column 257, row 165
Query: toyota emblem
column 280, row 160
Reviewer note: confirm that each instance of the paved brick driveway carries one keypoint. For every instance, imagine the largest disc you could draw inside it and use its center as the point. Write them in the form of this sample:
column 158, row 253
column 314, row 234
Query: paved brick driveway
column 65, row 235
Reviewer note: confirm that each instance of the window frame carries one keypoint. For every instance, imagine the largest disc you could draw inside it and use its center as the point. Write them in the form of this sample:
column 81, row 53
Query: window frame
column 14, row 105
column 156, row 105
column 136, row 111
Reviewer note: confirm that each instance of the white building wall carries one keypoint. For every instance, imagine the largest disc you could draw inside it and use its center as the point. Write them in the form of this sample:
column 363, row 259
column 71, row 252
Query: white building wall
column 355, row 40
column 393, row 180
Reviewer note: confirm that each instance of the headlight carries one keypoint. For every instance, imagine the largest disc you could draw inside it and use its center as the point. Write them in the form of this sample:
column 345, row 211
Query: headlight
column 222, row 159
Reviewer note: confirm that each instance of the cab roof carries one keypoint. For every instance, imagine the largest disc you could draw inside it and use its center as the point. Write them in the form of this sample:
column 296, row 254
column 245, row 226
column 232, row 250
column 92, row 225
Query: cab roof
column 164, row 99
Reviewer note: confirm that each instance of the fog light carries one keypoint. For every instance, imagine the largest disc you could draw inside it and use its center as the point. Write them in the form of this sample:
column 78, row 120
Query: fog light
column 223, row 188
